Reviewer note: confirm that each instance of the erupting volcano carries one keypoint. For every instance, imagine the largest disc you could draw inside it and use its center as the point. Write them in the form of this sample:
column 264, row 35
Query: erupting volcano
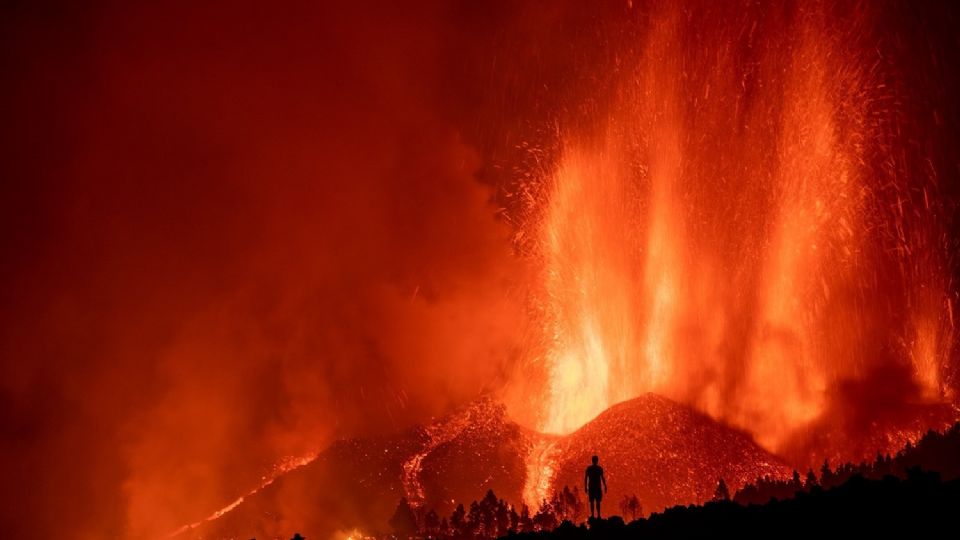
column 740, row 222
column 660, row 450
column 437, row 249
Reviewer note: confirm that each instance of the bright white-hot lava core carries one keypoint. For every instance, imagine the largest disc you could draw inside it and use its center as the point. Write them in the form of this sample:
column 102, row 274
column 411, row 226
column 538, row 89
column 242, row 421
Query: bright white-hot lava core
column 714, row 232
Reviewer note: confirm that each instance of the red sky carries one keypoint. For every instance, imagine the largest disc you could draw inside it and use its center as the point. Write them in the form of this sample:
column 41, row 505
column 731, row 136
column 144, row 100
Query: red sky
column 232, row 232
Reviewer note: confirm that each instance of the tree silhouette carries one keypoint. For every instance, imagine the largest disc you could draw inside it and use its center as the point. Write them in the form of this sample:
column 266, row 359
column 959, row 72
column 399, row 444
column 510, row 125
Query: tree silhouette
column 474, row 519
column 630, row 505
column 567, row 504
column 403, row 522
column 811, row 479
column 795, row 480
column 458, row 521
column 514, row 519
column 722, row 493
column 488, row 514
column 431, row 523
column 826, row 476
column 545, row 519
column 501, row 517
column 526, row 522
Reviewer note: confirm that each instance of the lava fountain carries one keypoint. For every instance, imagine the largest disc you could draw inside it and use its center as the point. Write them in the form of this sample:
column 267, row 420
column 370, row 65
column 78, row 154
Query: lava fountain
column 741, row 224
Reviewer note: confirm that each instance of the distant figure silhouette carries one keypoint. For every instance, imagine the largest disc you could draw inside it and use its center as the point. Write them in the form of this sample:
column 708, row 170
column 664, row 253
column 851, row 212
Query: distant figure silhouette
column 592, row 479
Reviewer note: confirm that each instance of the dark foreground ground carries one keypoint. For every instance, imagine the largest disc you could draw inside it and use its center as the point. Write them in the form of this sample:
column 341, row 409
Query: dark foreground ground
column 920, row 505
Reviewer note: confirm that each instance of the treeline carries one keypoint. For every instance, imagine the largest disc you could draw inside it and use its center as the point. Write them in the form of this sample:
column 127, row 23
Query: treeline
column 891, row 494
column 933, row 452
column 920, row 505
column 492, row 517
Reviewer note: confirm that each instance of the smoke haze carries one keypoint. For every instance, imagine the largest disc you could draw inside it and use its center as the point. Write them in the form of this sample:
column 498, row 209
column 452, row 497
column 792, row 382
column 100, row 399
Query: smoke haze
column 233, row 233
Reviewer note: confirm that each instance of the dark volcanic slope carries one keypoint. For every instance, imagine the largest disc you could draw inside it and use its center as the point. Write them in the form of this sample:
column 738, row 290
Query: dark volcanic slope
column 353, row 482
column 357, row 482
column 489, row 452
column 663, row 452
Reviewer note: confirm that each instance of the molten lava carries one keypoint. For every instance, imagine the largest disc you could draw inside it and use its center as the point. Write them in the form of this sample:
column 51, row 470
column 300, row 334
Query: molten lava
column 733, row 228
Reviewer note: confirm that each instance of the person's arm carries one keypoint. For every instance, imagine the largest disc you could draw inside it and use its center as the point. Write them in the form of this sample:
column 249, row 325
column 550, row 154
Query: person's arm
column 604, row 478
column 586, row 481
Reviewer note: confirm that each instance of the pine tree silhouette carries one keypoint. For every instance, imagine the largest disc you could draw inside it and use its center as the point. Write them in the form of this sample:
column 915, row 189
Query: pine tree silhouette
column 722, row 493
column 403, row 522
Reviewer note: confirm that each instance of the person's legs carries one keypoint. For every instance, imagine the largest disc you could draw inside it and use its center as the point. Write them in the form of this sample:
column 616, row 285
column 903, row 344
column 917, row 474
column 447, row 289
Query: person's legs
column 598, row 509
column 591, row 506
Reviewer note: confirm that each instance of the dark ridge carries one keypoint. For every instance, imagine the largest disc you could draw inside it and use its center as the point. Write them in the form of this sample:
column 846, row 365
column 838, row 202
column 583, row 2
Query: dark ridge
column 921, row 505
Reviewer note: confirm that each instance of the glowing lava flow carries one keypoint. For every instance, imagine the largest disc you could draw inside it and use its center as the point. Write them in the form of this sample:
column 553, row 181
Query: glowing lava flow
column 436, row 433
column 281, row 468
column 590, row 321
column 541, row 471
column 725, row 235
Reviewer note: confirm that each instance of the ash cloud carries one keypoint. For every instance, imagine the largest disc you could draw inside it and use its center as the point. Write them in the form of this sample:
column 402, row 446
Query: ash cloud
column 232, row 234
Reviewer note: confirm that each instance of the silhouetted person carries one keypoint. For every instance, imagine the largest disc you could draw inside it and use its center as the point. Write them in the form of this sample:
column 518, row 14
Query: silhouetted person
column 592, row 480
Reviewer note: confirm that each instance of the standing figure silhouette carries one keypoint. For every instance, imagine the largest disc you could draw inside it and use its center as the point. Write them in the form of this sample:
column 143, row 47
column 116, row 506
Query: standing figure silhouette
column 592, row 480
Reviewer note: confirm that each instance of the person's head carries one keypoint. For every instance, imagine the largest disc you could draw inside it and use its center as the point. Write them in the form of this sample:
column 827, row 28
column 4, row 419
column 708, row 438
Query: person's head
column 595, row 459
